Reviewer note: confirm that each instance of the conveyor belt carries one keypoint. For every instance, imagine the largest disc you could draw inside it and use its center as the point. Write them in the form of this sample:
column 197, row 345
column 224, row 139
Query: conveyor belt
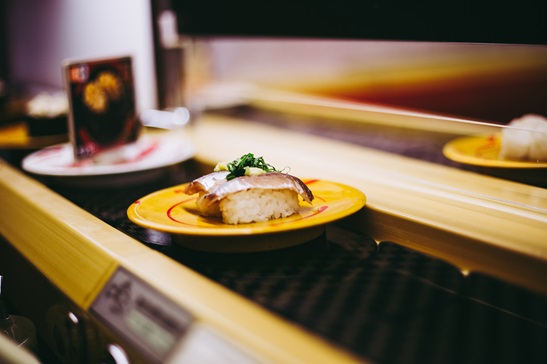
column 382, row 302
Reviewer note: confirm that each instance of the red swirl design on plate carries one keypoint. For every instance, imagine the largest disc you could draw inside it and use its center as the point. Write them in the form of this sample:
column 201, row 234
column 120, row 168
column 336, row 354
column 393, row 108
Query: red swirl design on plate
column 316, row 211
column 490, row 142
column 311, row 181
column 170, row 211
column 146, row 151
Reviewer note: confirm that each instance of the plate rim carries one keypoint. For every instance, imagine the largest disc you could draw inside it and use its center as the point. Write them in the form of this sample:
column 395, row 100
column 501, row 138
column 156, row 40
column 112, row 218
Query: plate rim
column 248, row 229
column 187, row 151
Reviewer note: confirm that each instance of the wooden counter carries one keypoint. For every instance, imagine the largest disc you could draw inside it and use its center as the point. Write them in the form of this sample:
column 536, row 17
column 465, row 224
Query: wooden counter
column 476, row 222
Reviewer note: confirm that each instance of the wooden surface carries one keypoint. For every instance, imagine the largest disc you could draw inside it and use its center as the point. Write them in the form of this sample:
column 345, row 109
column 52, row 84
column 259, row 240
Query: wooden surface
column 78, row 253
column 476, row 222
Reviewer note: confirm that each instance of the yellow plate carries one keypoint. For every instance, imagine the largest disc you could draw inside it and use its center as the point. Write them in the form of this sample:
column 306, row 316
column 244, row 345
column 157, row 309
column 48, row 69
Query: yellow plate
column 483, row 151
column 16, row 136
column 172, row 211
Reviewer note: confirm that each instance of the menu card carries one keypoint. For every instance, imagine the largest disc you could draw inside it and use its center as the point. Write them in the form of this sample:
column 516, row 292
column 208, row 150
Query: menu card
column 102, row 105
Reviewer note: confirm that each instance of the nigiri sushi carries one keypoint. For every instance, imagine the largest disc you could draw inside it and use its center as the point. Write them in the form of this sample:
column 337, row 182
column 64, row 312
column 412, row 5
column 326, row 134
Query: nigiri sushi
column 527, row 140
column 253, row 196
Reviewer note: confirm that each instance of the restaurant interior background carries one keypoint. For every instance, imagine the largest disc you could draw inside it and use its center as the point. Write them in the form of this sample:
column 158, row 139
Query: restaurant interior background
column 408, row 93
column 490, row 82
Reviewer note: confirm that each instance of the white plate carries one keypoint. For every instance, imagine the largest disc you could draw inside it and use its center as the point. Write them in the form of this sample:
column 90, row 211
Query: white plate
column 134, row 162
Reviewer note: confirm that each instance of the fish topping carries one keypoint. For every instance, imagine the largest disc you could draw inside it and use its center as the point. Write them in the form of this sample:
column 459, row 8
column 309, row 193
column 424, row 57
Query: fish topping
column 214, row 187
column 206, row 183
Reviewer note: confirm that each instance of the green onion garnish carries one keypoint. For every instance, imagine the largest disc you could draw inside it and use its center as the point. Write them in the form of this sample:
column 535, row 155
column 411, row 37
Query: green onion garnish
column 237, row 166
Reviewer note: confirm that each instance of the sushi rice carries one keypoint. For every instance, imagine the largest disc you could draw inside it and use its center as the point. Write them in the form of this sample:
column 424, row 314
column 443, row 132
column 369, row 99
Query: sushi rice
column 253, row 205
column 527, row 140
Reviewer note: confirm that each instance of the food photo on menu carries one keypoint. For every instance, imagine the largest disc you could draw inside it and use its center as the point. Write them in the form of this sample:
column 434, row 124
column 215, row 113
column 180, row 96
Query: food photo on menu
column 102, row 101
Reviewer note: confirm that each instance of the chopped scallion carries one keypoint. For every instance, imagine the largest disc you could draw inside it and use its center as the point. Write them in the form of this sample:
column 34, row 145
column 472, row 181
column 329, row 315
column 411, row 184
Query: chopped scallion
column 237, row 166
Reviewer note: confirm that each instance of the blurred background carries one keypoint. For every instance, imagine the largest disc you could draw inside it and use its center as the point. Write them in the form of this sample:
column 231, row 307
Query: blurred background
column 494, row 82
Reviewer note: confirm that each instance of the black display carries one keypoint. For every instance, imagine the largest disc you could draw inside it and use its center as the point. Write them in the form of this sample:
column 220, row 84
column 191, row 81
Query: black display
column 520, row 22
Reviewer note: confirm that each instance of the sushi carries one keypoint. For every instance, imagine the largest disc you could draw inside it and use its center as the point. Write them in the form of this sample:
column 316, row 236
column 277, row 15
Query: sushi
column 526, row 140
column 249, row 191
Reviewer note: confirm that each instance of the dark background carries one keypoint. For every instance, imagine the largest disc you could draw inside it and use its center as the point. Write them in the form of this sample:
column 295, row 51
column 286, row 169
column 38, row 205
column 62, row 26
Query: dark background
column 516, row 22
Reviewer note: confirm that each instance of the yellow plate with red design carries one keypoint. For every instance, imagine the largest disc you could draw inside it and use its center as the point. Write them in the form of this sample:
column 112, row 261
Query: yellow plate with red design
column 483, row 151
column 171, row 210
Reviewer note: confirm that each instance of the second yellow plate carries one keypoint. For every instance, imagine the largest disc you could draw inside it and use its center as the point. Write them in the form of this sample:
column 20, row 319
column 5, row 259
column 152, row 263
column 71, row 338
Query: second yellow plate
column 483, row 151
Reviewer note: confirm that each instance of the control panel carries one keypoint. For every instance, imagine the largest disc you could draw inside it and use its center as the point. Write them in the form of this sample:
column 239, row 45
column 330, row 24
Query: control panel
column 156, row 328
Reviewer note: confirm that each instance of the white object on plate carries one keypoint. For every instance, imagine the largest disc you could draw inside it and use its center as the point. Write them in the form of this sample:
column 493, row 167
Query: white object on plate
column 136, row 160
column 526, row 139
